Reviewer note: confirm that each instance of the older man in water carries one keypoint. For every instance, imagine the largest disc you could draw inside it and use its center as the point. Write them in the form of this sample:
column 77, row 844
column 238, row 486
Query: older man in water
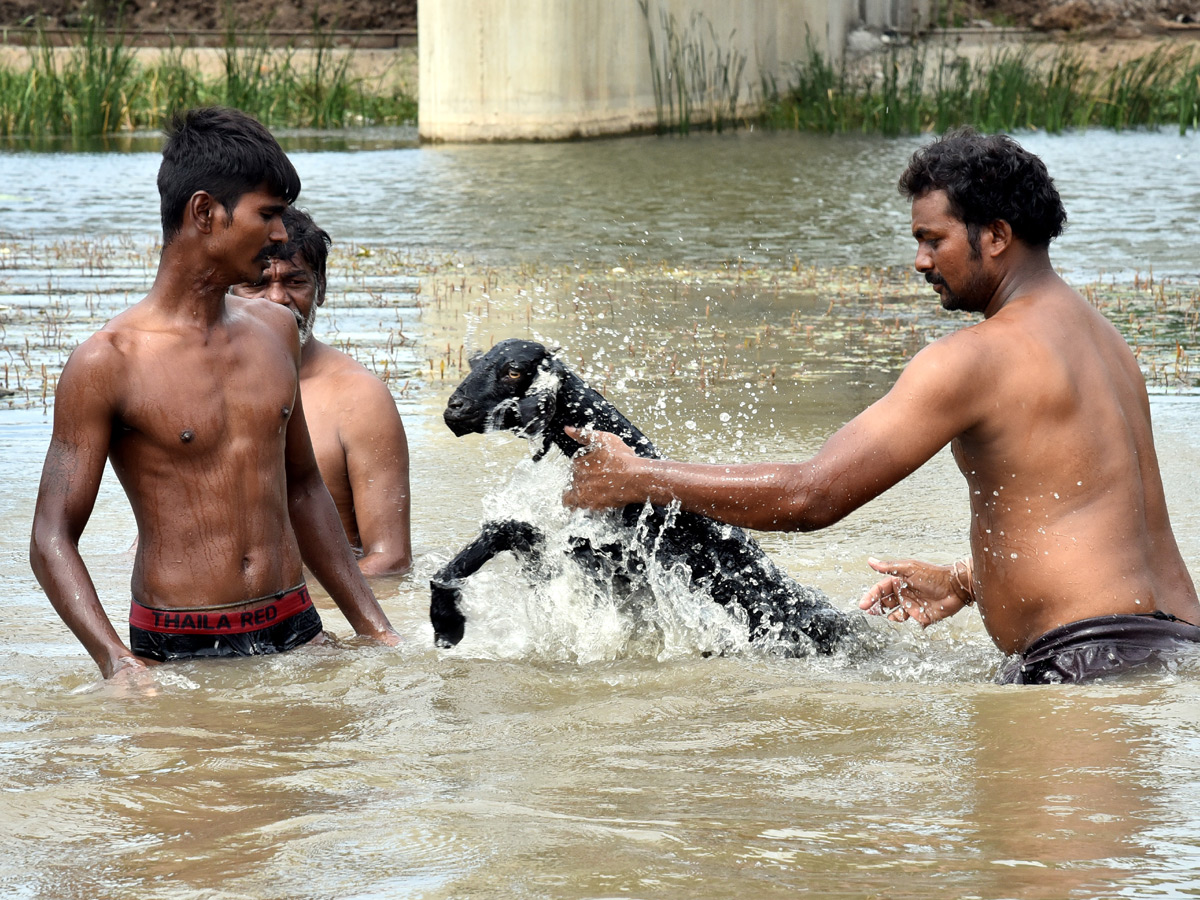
column 356, row 430
column 1073, row 563
column 193, row 396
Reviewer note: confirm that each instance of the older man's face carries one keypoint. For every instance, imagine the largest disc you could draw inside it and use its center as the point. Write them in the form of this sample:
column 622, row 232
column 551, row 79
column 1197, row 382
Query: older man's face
column 291, row 283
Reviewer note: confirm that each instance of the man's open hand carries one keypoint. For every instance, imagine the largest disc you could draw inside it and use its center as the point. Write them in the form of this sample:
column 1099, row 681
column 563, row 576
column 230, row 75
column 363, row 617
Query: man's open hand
column 921, row 591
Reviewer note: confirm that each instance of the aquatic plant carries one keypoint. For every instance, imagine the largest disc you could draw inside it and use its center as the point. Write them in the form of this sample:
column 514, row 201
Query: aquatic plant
column 697, row 80
column 906, row 92
column 99, row 86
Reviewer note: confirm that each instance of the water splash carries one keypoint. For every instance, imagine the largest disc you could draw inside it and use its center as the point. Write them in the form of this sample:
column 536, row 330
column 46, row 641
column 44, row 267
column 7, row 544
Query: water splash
column 555, row 610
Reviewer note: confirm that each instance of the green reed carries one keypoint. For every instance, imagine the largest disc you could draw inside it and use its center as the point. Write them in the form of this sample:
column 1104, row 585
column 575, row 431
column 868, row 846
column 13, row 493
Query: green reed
column 98, row 85
column 697, row 78
column 912, row 90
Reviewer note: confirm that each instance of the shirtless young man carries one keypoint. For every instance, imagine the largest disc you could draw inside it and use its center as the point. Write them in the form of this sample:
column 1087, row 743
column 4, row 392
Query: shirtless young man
column 356, row 430
column 193, row 396
column 1073, row 562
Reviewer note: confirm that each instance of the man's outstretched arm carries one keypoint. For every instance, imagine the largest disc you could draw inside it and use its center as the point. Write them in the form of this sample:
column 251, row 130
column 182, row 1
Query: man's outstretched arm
column 930, row 404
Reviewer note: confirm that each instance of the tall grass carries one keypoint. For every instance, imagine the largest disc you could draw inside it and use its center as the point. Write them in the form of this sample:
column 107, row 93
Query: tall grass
column 99, row 86
column 697, row 78
column 910, row 90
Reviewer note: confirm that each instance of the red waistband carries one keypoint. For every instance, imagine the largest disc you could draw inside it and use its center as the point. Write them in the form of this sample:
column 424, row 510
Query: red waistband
column 238, row 620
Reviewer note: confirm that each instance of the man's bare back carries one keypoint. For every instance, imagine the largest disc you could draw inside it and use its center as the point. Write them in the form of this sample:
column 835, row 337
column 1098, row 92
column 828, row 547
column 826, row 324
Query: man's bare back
column 360, row 442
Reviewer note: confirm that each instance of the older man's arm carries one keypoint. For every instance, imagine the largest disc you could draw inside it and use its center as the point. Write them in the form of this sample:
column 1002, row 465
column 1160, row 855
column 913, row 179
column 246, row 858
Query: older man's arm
column 323, row 544
column 376, row 450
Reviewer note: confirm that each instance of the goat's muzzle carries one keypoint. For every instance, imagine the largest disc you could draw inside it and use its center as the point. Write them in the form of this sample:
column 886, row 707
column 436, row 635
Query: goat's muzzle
column 460, row 417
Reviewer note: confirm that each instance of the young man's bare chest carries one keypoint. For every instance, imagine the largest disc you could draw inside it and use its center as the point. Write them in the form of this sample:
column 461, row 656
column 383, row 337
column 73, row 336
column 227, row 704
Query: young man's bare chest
column 191, row 398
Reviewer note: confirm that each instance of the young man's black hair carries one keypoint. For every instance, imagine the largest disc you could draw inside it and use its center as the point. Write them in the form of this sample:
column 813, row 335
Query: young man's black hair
column 224, row 152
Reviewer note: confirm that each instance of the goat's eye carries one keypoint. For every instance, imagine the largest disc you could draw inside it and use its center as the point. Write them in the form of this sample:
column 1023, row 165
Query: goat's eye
column 512, row 373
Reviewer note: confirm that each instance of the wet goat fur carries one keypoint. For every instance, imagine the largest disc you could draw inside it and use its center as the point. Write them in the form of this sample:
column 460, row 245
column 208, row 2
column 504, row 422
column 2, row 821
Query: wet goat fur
column 521, row 386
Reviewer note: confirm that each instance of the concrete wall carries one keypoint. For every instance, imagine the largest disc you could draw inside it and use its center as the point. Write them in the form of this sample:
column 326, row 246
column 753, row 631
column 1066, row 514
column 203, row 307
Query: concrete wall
column 555, row 69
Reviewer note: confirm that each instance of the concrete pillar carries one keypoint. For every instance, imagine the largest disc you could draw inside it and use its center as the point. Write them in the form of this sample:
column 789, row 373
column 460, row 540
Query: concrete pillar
column 555, row 69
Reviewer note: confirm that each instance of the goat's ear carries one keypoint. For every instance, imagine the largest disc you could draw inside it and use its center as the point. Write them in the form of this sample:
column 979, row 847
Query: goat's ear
column 474, row 359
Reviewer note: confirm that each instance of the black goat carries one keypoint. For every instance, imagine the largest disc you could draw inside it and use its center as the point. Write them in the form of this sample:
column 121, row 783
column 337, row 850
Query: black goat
column 520, row 386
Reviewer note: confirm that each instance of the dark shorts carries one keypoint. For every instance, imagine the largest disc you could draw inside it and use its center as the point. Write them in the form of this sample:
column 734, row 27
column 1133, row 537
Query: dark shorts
column 267, row 625
column 1094, row 648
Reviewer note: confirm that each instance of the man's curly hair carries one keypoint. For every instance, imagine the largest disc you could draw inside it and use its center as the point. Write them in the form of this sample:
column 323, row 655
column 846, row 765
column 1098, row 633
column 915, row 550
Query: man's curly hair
column 989, row 177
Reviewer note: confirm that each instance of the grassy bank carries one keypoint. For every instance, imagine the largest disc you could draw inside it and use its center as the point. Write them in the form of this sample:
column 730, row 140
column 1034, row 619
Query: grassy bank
column 100, row 86
column 914, row 90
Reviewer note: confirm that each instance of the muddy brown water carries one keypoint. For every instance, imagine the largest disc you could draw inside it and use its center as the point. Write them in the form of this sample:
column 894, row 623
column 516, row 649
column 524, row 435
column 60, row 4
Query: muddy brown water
column 565, row 749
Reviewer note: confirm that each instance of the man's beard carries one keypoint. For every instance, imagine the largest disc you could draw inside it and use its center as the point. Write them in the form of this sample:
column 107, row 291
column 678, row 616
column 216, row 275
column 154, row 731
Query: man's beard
column 965, row 302
column 306, row 325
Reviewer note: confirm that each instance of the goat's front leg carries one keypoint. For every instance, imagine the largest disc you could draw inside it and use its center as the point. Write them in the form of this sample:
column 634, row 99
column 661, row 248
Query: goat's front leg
column 449, row 623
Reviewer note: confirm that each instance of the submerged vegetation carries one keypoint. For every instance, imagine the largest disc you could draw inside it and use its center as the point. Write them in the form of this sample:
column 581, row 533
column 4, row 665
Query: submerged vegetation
column 99, row 85
column 753, row 325
column 908, row 92
column 697, row 328
column 53, row 295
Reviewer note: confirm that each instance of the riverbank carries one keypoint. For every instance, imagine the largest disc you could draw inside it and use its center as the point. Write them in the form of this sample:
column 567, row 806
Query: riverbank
column 388, row 70
column 995, row 82
column 1117, row 75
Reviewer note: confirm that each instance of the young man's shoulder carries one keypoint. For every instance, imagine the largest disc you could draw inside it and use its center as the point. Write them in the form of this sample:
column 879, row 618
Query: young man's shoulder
column 106, row 350
column 256, row 309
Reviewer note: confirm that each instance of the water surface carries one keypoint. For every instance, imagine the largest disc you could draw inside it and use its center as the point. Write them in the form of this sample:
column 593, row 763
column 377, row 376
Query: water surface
column 558, row 752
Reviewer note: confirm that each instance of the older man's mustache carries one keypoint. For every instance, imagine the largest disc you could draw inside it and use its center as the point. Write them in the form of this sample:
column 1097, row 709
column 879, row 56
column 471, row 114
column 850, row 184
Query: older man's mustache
column 934, row 278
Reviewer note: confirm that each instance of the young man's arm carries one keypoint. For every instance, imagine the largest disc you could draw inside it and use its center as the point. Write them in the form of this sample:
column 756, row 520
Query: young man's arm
column 323, row 544
column 934, row 400
column 71, row 475
column 376, row 450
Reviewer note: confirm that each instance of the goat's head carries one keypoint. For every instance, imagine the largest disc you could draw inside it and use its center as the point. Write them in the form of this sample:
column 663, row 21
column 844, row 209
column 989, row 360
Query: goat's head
column 512, row 387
